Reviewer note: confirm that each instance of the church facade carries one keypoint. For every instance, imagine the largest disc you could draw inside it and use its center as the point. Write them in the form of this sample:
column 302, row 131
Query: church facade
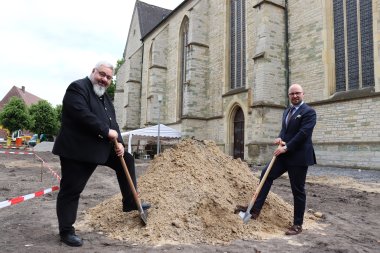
column 220, row 70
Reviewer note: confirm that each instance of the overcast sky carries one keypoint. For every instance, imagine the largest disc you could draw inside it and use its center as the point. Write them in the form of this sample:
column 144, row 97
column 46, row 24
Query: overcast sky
column 47, row 44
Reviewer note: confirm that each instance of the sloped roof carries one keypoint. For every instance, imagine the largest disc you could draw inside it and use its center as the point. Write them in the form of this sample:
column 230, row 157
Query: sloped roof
column 149, row 16
column 165, row 18
column 27, row 97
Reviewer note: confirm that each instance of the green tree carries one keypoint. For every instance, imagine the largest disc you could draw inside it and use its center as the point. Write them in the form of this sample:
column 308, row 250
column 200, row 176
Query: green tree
column 118, row 65
column 14, row 115
column 44, row 118
column 58, row 110
column 112, row 88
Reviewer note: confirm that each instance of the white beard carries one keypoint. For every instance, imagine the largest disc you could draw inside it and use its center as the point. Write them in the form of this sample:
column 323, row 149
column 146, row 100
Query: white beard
column 99, row 90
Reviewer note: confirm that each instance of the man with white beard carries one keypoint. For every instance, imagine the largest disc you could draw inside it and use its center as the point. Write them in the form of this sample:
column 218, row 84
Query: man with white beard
column 85, row 140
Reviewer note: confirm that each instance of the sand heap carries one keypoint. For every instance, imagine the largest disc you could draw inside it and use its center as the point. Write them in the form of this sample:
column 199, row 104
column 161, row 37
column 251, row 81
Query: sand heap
column 193, row 189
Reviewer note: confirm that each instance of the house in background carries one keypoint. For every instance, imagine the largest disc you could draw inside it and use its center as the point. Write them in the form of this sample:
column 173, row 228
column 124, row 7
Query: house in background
column 27, row 97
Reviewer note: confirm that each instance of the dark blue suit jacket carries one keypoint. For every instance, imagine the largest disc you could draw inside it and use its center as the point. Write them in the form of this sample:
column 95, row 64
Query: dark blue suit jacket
column 297, row 136
column 85, row 124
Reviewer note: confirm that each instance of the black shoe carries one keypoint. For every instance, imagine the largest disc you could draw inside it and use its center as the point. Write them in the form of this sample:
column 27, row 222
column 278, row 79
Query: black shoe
column 71, row 239
column 255, row 215
column 144, row 206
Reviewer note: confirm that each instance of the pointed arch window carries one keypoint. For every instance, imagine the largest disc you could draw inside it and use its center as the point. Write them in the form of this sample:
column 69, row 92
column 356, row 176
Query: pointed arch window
column 353, row 44
column 237, row 44
column 184, row 53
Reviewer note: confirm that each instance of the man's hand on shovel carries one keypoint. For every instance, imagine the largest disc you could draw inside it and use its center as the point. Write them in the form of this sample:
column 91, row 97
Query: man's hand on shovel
column 118, row 147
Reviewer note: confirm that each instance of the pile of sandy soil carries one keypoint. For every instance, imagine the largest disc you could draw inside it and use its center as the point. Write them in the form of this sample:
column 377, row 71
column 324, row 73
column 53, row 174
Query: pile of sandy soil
column 193, row 189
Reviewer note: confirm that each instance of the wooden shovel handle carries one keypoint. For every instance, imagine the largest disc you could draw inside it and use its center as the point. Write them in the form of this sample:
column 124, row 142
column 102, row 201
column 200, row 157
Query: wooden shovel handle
column 132, row 186
column 262, row 181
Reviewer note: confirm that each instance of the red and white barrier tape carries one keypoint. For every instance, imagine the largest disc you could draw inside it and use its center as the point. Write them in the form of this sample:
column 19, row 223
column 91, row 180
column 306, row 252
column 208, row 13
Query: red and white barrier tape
column 26, row 197
column 48, row 167
column 20, row 199
column 13, row 147
column 16, row 153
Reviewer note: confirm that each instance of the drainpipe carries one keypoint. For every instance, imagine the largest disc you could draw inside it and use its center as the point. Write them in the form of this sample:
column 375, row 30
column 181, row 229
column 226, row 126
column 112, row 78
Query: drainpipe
column 287, row 70
column 141, row 83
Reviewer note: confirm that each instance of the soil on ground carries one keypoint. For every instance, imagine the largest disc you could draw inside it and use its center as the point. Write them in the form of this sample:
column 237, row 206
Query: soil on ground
column 193, row 189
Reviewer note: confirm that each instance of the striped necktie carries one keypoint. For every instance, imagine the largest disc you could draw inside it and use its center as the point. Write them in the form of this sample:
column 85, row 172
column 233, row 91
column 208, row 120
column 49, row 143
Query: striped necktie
column 290, row 113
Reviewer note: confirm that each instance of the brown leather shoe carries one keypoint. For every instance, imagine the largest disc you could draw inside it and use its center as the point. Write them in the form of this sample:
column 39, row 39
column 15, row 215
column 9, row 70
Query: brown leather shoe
column 294, row 230
column 240, row 208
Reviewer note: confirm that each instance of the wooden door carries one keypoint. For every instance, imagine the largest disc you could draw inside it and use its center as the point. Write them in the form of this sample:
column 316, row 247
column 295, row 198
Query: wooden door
column 238, row 147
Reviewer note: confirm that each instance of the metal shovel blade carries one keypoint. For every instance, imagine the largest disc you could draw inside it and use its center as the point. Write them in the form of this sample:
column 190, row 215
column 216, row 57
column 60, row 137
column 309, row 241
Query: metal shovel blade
column 246, row 216
column 143, row 215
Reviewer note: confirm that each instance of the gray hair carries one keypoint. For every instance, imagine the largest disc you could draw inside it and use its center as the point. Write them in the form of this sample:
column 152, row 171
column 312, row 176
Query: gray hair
column 104, row 63
column 97, row 66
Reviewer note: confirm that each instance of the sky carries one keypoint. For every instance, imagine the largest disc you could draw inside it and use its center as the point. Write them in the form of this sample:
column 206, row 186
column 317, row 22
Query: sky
column 47, row 44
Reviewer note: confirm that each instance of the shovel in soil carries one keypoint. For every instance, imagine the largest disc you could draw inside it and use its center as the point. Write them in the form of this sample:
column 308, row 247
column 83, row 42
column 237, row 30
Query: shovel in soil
column 246, row 216
column 143, row 215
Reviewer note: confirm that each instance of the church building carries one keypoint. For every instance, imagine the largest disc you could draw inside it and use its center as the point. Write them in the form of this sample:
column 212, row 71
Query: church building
column 220, row 70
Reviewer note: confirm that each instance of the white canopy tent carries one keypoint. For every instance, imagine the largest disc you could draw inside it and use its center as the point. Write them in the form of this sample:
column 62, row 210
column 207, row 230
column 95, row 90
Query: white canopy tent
column 165, row 132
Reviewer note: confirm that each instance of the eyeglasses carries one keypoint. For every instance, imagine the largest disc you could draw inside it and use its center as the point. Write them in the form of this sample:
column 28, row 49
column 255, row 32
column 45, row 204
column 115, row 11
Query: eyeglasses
column 295, row 93
column 103, row 74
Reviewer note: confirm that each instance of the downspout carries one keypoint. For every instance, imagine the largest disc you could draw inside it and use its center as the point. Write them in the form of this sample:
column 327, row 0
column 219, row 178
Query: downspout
column 142, row 65
column 141, row 77
column 287, row 70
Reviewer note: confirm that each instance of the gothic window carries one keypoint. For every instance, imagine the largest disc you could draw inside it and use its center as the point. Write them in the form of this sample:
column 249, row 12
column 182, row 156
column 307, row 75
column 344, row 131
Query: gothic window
column 237, row 44
column 353, row 44
column 184, row 52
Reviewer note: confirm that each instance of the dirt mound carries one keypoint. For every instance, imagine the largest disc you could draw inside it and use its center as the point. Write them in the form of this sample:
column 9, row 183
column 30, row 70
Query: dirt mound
column 193, row 189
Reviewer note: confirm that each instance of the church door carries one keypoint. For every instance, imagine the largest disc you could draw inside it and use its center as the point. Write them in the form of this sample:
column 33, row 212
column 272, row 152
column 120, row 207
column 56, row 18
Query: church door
column 239, row 134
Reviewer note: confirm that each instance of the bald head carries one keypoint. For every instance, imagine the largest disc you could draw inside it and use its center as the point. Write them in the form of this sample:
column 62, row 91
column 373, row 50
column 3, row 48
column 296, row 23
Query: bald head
column 295, row 94
column 295, row 86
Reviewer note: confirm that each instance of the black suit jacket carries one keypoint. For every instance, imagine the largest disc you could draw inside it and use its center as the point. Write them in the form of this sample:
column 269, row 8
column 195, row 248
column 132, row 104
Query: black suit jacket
column 85, row 124
column 297, row 136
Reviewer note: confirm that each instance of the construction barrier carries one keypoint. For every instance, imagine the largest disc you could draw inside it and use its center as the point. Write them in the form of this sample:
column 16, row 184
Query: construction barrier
column 48, row 167
column 16, row 153
column 26, row 197
column 20, row 199
column 13, row 147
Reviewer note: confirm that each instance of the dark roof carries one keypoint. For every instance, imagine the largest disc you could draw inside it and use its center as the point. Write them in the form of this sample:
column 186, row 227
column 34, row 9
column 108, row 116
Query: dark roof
column 27, row 97
column 165, row 18
column 149, row 16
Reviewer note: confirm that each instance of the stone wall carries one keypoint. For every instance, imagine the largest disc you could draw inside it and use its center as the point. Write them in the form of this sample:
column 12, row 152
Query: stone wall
column 306, row 47
column 346, row 133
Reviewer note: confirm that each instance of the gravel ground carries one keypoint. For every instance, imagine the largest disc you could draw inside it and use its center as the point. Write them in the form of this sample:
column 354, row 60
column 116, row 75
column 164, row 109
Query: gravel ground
column 348, row 198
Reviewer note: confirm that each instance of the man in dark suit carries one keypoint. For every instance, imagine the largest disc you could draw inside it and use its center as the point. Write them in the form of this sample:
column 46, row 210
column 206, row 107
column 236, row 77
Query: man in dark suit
column 85, row 140
column 294, row 155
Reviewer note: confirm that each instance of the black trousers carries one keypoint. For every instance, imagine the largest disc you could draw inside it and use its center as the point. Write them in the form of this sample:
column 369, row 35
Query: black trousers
column 297, row 177
column 75, row 175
